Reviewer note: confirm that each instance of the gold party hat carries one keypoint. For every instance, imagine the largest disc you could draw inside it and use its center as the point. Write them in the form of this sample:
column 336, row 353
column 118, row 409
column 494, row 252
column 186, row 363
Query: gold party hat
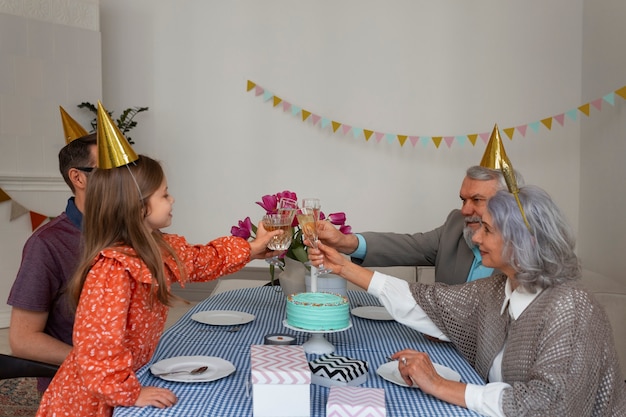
column 495, row 158
column 113, row 148
column 71, row 128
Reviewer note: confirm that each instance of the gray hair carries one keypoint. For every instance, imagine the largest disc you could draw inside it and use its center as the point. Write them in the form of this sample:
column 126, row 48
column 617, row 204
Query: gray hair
column 544, row 258
column 480, row 173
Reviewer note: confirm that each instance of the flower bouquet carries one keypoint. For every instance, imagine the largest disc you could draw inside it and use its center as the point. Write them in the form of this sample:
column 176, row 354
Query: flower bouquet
column 297, row 250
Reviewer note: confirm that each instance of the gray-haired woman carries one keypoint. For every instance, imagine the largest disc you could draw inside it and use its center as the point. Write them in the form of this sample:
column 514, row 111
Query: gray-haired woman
column 542, row 343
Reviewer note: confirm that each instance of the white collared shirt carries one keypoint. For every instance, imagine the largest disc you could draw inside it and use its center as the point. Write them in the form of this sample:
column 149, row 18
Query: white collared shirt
column 395, row 295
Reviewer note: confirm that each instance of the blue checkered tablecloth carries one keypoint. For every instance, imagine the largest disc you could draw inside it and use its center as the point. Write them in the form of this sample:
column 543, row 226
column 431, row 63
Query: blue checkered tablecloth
column 368, row 340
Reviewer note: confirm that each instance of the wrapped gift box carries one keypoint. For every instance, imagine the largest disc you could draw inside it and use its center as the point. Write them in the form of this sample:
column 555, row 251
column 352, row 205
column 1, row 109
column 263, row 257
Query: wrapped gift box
column 281, row 381
column 334, row 370
column 356, row 402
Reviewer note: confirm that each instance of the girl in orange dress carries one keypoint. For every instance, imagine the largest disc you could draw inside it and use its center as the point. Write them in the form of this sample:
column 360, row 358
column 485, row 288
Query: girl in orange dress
column 123, row 285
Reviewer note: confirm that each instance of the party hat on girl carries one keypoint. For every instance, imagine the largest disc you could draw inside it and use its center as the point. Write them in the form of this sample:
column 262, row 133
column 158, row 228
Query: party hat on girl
column 72, row 129
column 113, row 148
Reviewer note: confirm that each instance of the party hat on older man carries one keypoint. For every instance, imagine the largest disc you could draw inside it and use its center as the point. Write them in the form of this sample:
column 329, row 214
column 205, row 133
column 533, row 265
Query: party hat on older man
column 113, row 148
column 495, row 158
column 72, row 129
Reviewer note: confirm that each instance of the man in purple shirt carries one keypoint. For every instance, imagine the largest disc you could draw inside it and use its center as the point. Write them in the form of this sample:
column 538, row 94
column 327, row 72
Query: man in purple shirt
column 42, row 318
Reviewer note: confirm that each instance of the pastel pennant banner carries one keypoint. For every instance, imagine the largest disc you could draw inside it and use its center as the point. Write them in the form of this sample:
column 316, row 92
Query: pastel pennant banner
column 18, row 210
column 360, row 132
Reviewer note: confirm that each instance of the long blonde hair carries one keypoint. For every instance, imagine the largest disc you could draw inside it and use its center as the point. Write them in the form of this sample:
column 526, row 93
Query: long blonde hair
column 115, row 208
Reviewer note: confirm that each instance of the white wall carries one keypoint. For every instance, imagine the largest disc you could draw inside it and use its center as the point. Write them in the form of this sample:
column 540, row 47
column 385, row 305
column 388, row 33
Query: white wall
column 413, row 67
column 602, row 232
column 49, row 56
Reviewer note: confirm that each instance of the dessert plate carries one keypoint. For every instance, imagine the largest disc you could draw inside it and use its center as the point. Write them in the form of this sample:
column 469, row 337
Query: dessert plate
column 371, row 312
column 390, row 372
column 222, row 317
column 216, row 368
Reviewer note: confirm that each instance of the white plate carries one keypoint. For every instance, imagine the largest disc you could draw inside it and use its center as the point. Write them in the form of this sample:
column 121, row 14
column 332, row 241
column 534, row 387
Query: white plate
column 391, row 373
column 223, row 317
column 217, row 368
column 372, row 313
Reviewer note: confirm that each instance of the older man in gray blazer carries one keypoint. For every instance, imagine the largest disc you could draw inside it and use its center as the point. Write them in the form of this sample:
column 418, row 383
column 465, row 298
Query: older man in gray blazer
column 448, row 248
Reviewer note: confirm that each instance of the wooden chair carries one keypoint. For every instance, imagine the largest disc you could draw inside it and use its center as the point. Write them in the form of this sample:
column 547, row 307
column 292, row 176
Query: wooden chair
column 14, row 367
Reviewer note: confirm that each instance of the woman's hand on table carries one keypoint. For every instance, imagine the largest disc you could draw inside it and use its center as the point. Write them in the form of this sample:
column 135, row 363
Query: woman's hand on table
column 417, row 368
column 156, row 397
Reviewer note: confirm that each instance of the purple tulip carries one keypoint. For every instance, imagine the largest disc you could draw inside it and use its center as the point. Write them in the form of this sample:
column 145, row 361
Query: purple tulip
column 345, row 229
column 338, row 219
column 269, row 203
column 243, row 230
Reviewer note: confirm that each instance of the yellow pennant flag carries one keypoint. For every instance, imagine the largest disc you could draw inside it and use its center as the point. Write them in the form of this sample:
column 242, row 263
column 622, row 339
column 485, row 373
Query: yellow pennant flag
column 437, row 141
column 621, row 92
column 472, row 138
column 509, row 132
column 368, row 134
column 547, row 122
column 336, row 125
column 277, row 101
column 251, row 85
column 402, row 139
column 305, row 114
column 584, row 109
column 4, row 196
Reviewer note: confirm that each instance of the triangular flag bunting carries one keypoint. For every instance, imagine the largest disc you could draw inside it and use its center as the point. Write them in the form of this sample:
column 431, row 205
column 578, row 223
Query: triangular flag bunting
column 572, row 114
column 315, row 119
column 357, row 132
column 251, row 85
column 597, row 103
column 414, row 139
column 425, row 140
column 295, row 110
column 36, row 219
column 448, row 140
column 258, row 91
column 472, row 138
column 346, row 129
column 305, row 115
column 390, row 137
column 509, row 132
column 267, row 96
column 610, row 98
column 547, row 122
column 286, row 106
column 437, row 141
column 522, row 130
column 336, row 126
column 621, row 92
column 4, row 196
column 402, row 139
column 325, row 122
column 17, row 210
column 378, row 136
column 560, row 118
column 485, row 136
column 277, row 101
column 368, row 134
column 584, row 109
column 461, row 139
column 534, row 126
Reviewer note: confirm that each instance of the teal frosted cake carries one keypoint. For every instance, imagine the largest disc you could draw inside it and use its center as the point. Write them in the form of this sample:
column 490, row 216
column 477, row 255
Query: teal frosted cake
column 318, row 311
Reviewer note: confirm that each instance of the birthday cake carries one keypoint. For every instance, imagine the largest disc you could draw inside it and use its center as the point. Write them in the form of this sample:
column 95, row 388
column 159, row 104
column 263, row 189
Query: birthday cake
column 318, row 311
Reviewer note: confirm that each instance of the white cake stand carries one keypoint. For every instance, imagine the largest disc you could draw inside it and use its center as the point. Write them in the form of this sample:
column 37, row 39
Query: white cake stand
column 317, row 343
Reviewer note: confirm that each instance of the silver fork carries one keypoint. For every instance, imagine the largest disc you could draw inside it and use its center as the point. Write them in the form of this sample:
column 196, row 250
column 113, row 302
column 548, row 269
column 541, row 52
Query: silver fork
column 234, row 329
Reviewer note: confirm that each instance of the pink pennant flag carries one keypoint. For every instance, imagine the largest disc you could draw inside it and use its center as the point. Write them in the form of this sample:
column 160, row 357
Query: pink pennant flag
column 485, row 136
column 560, row 118
column 448, row 140
column 597, row 103
column 522, row 130
column 258, row 90
column 414, row 139
column 378, row 136
column 345, row 128
column 315, row 119
column 286, row 106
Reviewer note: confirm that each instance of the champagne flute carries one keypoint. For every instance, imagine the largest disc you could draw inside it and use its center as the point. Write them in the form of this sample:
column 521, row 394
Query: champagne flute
column 308, row 218
column 282, row 219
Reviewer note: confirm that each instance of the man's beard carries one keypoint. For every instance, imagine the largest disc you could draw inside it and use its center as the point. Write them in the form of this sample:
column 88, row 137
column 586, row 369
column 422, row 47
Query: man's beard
column 468, row 232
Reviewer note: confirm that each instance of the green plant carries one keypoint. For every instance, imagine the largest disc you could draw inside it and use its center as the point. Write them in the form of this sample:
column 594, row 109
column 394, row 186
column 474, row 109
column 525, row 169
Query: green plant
column 125, row 122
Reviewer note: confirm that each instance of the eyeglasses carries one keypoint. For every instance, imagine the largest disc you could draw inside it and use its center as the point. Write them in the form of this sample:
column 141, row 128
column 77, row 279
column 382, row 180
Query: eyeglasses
column 85, row 169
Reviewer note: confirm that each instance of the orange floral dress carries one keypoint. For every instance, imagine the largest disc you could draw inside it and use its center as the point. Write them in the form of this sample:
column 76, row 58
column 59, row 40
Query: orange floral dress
column 116, row 330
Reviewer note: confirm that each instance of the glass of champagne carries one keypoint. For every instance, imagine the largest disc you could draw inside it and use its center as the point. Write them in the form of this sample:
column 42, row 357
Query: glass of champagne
column 282, row 219
column 308, row 218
